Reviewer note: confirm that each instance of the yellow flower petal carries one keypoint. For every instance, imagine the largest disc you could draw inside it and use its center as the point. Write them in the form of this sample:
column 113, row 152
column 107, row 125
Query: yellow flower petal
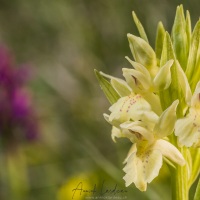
column 142, row 168
column 166, row 122
column 169, row 151
column 134, row 173
column 139, row 130
column 132, row 107
column 162, row 79
column 187, row 130
column 138, row 77
column 118, row 133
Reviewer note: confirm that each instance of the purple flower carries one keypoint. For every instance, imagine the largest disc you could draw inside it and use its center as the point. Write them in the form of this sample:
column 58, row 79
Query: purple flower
column 17, row 117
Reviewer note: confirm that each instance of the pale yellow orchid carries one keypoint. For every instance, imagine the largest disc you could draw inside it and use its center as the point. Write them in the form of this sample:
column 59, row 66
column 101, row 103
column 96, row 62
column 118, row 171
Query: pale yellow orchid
column 140, row 78
column 188, row 128
column 140, row 81
column 145, row 157
column 144, row 162
column 131, row 108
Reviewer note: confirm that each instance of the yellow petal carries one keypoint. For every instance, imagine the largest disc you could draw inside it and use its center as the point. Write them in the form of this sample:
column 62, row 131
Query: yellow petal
column 162, row 79
column 183, row 82
column 132, row 150
column 169, row 151
column 187, row 131
column 151, row 164
column 132, row 107
column 138, row 129
column 134, row 172
column 166, row 122
column 154, row 101
column 143, row 168
column 118, row 133
column 138, row 77
column 140, row 68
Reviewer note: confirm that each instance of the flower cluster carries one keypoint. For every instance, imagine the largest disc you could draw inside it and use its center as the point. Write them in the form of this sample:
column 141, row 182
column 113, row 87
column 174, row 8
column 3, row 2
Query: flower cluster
column 17, row 118
column 153, row 105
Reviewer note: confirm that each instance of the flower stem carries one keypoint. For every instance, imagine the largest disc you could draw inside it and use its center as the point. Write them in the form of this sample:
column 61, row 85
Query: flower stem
column 180, row 189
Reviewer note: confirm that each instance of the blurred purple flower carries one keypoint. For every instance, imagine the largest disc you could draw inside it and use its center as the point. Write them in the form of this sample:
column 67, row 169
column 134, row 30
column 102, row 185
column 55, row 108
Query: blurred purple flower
column 17, row 117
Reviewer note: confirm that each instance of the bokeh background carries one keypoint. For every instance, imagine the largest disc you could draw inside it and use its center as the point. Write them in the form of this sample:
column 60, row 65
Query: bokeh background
column 62, row 42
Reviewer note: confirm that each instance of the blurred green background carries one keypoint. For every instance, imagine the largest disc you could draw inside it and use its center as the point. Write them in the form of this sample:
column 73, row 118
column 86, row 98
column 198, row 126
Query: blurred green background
column 64, row 40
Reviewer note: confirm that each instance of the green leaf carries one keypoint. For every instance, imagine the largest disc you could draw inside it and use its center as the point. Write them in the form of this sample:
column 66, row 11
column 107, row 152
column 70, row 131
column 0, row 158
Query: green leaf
column 107, row 88
column 196, row 73
column 143, row 53
column 120, row 86
column 188, row 27
column 159, row 41
column 140, row 27
column 197, row 193
column 192, row 66
column 179, row 37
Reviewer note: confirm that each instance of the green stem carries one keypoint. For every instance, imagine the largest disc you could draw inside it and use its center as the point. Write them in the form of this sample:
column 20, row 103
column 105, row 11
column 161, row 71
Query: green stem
column 197, row 193
column 180, row 189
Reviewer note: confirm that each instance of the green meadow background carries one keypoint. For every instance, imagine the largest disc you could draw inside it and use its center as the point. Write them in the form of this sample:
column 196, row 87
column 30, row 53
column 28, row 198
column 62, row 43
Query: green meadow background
column 64, row 41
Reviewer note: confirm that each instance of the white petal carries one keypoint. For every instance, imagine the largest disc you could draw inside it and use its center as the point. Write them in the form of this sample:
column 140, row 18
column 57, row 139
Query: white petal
column 140, row 68
column 163, row 77
column 150, row 117
column 142, row 169
column 132, row 81
column 187, row 131
column 138, row 129
column 151, row 164
column 166, row 122
column 116, row 109
column 134, row 172
column 154, row 101
column 106, row 117
column 118, row 133
column 169, row 151
column 132, row 107
column 138, row 76
column 132, row 150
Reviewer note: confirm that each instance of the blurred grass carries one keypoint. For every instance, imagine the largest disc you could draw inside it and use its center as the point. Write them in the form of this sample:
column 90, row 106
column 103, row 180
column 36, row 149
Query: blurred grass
column 64, row 41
